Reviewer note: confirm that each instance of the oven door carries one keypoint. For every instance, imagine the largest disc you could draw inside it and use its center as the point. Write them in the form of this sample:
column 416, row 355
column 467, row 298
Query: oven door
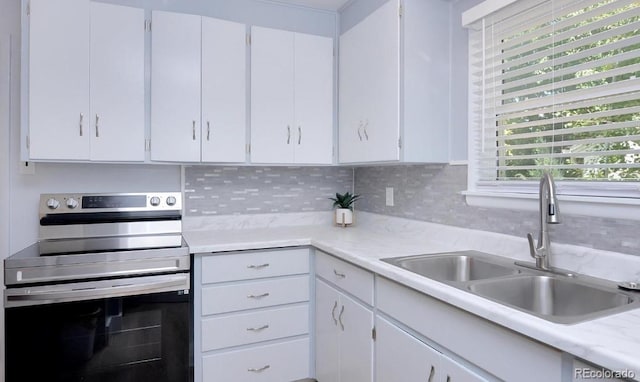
column 133, row 329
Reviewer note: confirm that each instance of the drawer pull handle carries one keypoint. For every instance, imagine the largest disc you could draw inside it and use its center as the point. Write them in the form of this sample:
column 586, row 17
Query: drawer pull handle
column 338, row 274
column 258, row 370
column 257, row 296
column 263, row 327
column 333, row 313
column 432, row 373
column 448, row 378
column 259, row 266
column 340, row 318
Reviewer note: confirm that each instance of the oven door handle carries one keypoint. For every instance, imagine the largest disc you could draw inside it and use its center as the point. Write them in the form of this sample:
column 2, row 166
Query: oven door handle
column 96, row 289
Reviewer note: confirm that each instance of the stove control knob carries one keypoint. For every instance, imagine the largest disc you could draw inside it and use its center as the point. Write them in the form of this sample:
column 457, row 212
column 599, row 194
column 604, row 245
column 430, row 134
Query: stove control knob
column 72, row 203
column 155, row 201
column 53, row 204
column 171, row 200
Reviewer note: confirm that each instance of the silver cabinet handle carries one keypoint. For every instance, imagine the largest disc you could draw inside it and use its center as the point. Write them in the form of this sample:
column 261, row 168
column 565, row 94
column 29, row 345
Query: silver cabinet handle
column 208, row 130
column 448, row 378
column 81, row 119
column 193, row 130
column 288, row 134
column 366, row 123
column 338, row 274
column 263, row 327
column 258, row 370
column 299, row 134
column 432, row 373
column 333, row 313
column 340, row 318
column 97, row 131
column 258, row 296
column 259, row 266
column 359, row 134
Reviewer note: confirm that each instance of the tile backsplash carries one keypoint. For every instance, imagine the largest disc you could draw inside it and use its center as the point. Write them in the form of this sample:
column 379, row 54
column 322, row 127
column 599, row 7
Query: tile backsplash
column 432, row 193
column 217, row 190
column 422, row 192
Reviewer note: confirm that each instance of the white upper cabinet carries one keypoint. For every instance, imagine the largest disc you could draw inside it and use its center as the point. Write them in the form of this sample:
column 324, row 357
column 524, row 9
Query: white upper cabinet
column 272, row 96
column 369, row 88
column 394, row 84
column 175, row 87
column 86, row 81
column 291, row 97
column 198, row 89
column 224, row 94
column 59, row 79
column 313, row 104
column 117, row 83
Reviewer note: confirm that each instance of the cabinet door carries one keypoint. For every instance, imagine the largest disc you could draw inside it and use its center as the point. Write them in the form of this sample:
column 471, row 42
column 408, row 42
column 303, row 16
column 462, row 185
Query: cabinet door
column 356, row 342
column 370, row 84
column 327, row 333
column 272, row 96
column 223, row 91
column 351, row 97
column 452, row 371
column 175, row 87
column 402, row 357
column 313, row 99
column 117, row 83
column 59, row 79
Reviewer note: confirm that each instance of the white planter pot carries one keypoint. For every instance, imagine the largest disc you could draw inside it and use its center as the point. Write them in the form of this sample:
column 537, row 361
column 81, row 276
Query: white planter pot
column 344, row 216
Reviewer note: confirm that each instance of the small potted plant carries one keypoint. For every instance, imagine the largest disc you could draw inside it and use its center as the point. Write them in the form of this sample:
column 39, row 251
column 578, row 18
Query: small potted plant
column 344, row 212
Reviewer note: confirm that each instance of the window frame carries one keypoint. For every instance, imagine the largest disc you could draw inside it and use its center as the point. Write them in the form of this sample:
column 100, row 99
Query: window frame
column 618, row 200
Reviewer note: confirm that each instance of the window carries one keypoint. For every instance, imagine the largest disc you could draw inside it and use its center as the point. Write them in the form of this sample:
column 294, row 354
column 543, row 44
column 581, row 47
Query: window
column 555, row 86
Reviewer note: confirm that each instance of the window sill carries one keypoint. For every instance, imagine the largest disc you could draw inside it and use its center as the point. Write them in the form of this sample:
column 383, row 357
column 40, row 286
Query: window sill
column 615, row 208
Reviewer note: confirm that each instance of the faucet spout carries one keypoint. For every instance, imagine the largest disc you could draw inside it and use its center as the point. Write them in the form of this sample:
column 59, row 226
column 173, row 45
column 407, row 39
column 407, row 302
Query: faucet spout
column 549, row 214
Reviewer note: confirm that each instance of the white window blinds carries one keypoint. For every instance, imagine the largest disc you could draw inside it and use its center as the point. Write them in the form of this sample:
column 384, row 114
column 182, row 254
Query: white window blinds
column 555, row 85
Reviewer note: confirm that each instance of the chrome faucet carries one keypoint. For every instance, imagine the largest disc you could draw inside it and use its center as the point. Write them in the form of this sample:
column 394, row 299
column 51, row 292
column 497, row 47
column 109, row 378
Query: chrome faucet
column 549, row 214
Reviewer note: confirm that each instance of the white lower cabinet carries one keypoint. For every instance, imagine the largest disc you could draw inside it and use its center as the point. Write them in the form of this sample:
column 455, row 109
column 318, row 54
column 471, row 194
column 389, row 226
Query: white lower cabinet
column 492, row 349
column 251, row 312
column 401, row 356
column 286, row 361
column 344, row 337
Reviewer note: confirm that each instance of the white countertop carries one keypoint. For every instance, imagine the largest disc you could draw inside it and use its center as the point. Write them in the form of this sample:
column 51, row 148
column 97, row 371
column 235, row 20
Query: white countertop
column 612, row 342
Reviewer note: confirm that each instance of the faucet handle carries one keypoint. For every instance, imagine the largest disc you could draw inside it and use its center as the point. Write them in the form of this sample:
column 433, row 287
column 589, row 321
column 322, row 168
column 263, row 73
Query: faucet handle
column 532, row 246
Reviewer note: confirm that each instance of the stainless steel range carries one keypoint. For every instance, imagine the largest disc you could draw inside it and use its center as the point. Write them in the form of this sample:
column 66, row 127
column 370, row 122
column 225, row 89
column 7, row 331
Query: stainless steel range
column 104, row 294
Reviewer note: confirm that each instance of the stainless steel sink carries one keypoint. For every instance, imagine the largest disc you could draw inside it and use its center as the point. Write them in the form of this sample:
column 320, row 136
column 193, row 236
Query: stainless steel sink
column 456, row 267
column 553, row 297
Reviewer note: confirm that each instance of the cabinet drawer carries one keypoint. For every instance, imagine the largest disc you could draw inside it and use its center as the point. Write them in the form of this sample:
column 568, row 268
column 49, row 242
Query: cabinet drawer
column 258, row 294
column 253, row 265
column 352, row 279
column 246, row 328
column 281, row 362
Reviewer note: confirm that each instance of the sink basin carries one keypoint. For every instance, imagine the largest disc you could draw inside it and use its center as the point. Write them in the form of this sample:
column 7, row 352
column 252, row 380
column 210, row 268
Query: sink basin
column 554, row 298
column 458, row 267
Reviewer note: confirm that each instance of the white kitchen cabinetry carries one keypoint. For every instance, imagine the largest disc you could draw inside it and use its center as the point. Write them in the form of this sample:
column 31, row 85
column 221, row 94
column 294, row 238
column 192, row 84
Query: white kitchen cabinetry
column 344, row 337
column 394, row 85
column 252, row 316
column 117, row 83
column 469, row 337
column 86, row 81
column 224, row 93
column 59, row 38
column 197, row 89
column 291, row 97
column 401, row 356
column 175, row 87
